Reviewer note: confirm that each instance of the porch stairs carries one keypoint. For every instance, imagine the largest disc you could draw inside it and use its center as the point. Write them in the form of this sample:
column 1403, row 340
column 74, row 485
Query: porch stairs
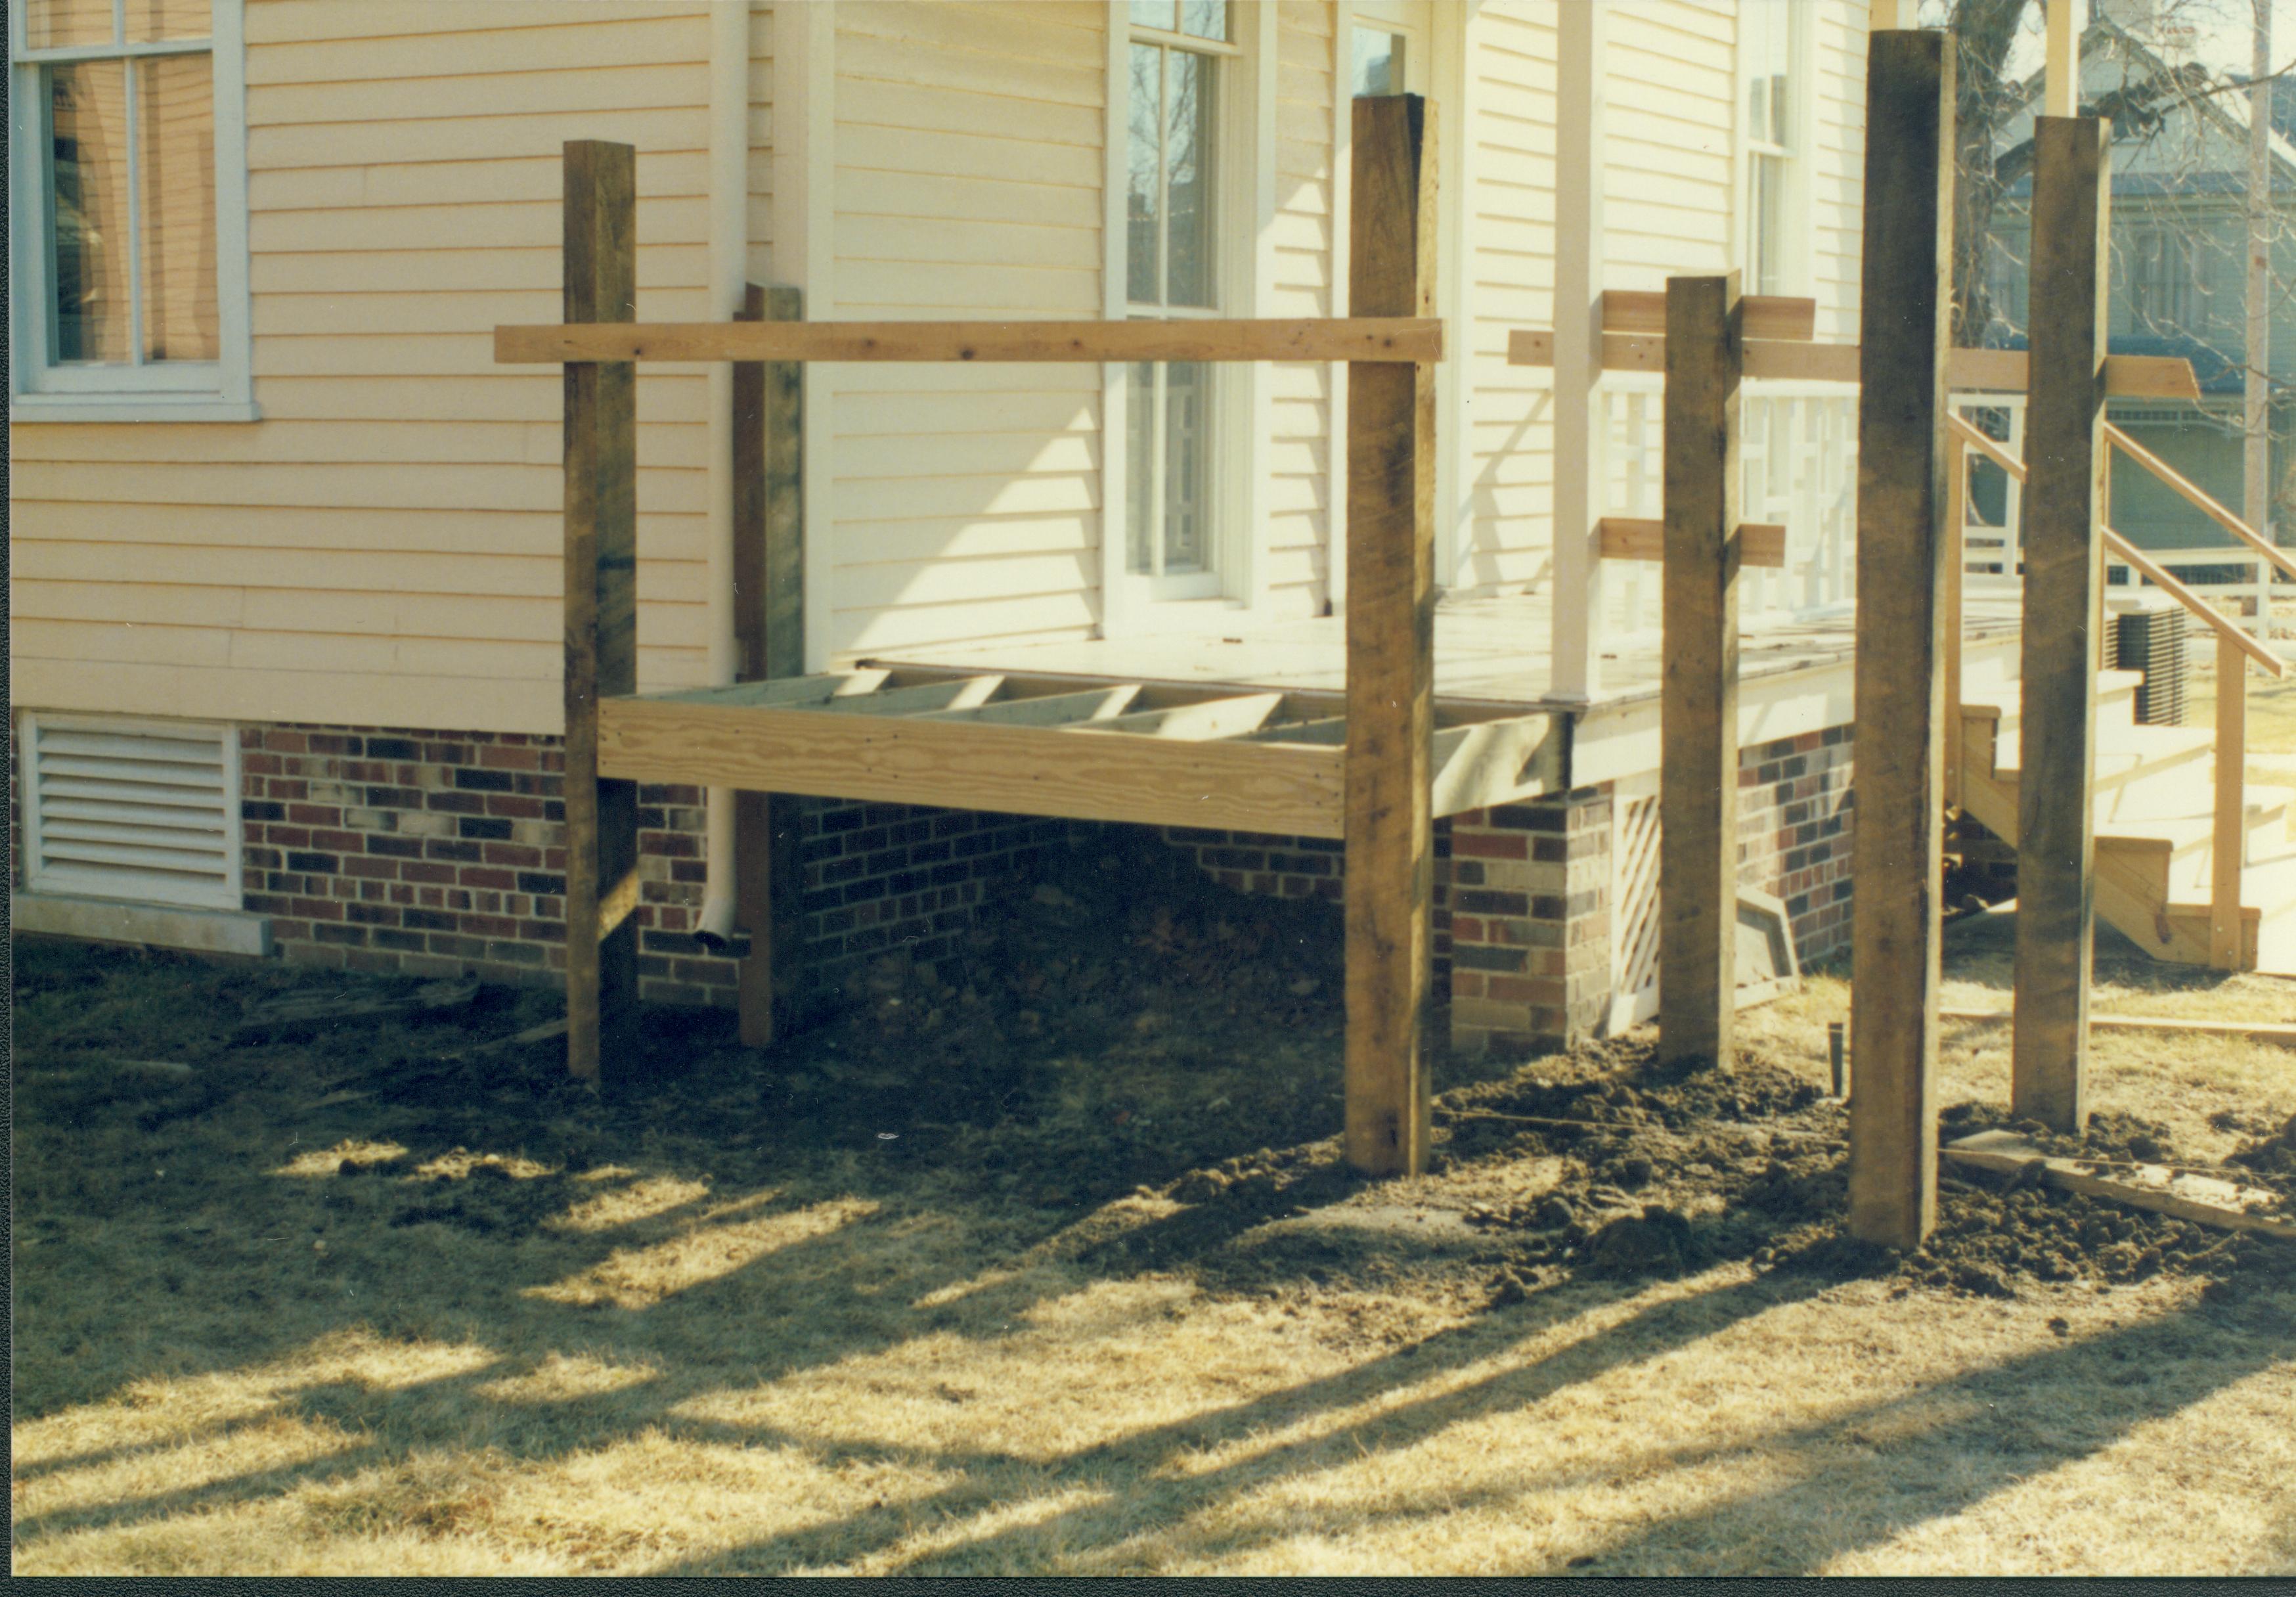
column 2155, row 799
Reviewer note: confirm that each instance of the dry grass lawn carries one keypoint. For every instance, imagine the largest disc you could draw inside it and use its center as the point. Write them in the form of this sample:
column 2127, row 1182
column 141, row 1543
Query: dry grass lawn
column 266, row 1326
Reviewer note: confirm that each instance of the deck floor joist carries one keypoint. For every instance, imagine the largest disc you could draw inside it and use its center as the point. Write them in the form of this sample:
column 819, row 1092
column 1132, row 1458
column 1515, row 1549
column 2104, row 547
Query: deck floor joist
column 1067, row 746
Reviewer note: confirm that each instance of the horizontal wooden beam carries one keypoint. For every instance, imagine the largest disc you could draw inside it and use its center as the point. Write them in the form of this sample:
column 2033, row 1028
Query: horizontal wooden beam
column 1376, row 339
column 2281, row 1033
column 1782, row 360
column 1760, row 543
column 1761, row 316
column 1284, row 788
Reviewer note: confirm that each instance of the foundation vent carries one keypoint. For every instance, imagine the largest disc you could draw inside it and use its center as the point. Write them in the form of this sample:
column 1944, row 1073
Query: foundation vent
column 2152, row 640
column 146, row 811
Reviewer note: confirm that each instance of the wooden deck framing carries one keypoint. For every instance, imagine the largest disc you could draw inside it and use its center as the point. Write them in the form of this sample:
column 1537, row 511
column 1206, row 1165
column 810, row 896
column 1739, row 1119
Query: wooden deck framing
column 1373, row 766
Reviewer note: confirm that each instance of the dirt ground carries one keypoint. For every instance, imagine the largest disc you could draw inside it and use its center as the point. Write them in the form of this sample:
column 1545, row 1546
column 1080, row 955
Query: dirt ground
column 1046, row 1261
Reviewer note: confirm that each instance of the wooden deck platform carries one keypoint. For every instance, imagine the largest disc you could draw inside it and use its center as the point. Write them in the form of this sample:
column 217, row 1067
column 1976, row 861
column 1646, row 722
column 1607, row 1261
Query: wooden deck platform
column 1085, row 748
column 1490, row 655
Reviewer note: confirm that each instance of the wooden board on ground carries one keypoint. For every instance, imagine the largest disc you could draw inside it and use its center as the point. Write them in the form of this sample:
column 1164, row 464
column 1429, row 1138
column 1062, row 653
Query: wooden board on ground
column 305, row 1014
column 2207, row 1200
column 2281, row 1033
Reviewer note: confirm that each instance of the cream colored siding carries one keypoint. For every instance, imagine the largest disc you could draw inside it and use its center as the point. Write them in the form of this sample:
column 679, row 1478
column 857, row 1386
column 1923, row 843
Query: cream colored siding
column 760, row 229
column 966, row 501
column 1673, row 97
column 383, row 546
column 1509, row 221
column 1836, row 168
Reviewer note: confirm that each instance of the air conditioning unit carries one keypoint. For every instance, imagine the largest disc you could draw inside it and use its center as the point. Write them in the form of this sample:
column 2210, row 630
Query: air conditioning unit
column 2149, row 636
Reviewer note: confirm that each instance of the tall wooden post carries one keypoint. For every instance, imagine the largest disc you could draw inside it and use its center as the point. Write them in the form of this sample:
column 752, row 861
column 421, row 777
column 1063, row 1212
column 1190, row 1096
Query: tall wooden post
column 1698, row 702
column 1904, row 546
column 2064, row 588
column 1390, row 628
column 2228, row 833
column 601, row 458
column 769, row 619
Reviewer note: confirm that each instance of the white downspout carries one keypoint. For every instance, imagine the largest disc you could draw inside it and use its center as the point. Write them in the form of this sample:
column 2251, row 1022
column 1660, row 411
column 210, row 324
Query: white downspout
column 729, row 249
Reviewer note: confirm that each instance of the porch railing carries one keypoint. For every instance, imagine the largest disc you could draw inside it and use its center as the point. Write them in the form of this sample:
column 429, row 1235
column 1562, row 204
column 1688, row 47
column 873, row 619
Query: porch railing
column 1994, row 546
column 1799, row 464
column 2234, row 648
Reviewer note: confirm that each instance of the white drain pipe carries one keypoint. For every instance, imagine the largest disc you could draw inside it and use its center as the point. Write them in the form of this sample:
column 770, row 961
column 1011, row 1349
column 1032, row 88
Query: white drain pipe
column 729, row 251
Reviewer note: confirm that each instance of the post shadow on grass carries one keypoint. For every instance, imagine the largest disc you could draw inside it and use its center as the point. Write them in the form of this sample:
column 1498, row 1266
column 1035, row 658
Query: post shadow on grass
column 2039, row 1411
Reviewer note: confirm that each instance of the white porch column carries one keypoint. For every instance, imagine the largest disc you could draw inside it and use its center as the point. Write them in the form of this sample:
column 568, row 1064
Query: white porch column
column 1581, row 54
column 805, row 168
column 2060, row 78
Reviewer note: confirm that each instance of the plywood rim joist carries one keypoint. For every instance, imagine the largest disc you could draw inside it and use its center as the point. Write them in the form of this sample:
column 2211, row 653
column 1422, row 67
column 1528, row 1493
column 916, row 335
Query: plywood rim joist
column 1077, row 748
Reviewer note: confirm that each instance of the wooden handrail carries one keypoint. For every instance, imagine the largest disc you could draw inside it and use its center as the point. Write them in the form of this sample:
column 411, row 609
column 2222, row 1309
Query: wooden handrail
column 1988, row 448
column 2129, row 555
column 2201, row 499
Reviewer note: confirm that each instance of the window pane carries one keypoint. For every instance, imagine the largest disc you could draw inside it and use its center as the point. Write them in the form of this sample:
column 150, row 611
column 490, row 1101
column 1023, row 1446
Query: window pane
column 1204, row 18
column 52, row 24
column 88, row 108
column 1187, row 466
column 175, row 130
column 1144, row 194
column 1379, row 61
column 1188, row 178
column 1139, row 465
column 150, row 21
column 1768, row 175
column 1155, row 13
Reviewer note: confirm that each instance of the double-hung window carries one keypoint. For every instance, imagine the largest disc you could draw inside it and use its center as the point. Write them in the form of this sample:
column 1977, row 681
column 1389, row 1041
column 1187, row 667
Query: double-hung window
column 1767, row 52
column 127, row 211
column 1178, row 52
column 2162, row 266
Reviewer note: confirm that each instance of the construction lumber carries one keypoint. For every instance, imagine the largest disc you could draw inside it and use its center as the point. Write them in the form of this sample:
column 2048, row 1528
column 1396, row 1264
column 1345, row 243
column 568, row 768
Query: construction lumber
column 1897, row 850
column 1760, row 544
column 600, row 603
column 1579, row 409
column 967, row 765
column 2201, row 499
column 2229, row 633
column 2185, row 1195
column 1388, row 757
column 1784, row 361
column 2228, row 831
column 770, row 608
column 2063, row 594
column 1404, row 340
column 2279, row 1033
column 1697, row 698
column 1760, row 316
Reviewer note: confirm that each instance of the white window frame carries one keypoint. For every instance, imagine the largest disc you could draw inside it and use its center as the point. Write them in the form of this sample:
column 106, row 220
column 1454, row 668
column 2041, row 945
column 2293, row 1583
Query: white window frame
column 1793, row 209
column 221, row 390
column 1135, row 602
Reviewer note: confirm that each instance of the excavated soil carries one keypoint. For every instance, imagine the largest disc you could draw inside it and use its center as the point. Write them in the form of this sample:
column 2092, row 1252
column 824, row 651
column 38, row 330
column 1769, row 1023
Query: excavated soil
column 1126, row 1057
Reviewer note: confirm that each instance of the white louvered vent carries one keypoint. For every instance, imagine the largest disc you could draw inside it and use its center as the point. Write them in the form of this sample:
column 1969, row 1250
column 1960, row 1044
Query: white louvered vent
column 145, row 810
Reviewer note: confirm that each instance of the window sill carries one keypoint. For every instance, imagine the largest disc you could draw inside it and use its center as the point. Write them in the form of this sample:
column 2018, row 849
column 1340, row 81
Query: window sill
column 33, row 408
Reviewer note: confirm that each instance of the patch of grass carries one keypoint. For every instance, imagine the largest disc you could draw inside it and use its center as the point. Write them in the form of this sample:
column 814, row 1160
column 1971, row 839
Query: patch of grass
column 1076, row 1294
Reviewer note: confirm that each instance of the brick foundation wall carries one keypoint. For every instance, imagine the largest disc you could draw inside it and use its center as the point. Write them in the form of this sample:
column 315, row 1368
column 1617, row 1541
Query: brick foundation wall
column 1794, row 808
column 421, row 852
column 1524, row 922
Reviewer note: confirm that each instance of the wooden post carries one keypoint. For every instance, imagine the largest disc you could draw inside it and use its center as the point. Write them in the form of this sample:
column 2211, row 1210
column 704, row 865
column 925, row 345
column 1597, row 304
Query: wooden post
column 1390, row 632
column 2065, row 578
column 2228, row 937
column 769, row 612
column 600, row 459
column 1956, row 569
column 1904, row 506
column 1698, row 702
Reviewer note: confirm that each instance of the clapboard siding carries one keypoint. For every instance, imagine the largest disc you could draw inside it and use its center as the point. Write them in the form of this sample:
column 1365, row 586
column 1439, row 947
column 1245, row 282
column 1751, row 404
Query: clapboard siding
column 383, row 546
column 966, row 503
